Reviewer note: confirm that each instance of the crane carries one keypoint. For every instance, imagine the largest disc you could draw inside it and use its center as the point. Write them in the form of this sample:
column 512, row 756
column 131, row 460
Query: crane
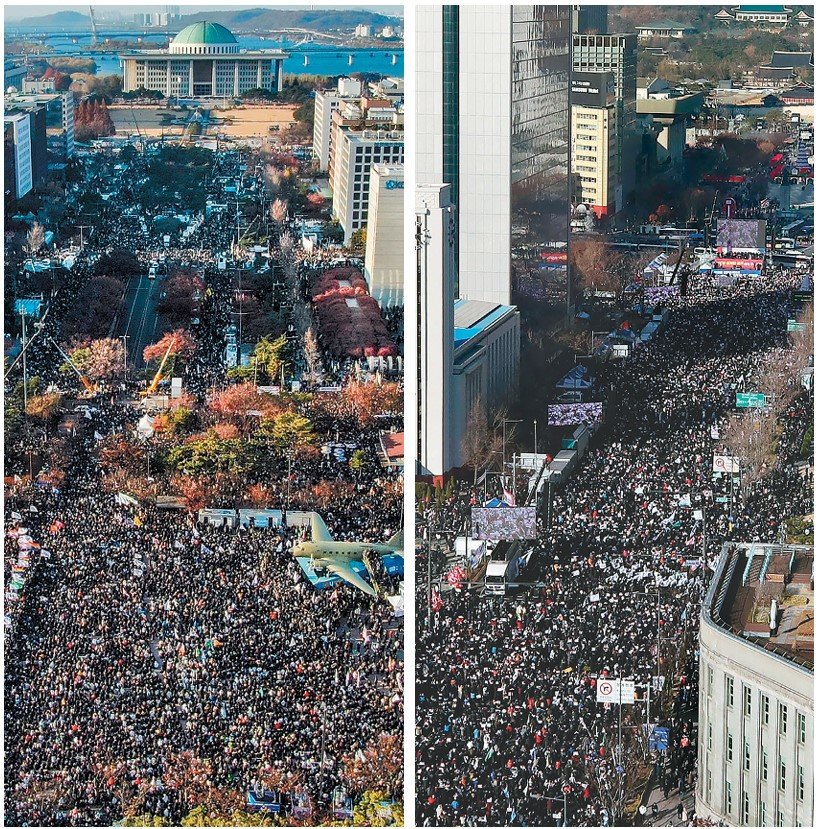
column 94, row 33
column 151, row 389
column 88, row 385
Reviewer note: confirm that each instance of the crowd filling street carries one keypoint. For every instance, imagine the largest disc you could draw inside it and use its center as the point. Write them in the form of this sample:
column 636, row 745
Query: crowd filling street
column 156, row 664
column 509, row 728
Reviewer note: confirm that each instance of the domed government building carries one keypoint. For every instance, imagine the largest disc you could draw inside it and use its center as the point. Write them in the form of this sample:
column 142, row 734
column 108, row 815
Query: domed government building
column 203, row 60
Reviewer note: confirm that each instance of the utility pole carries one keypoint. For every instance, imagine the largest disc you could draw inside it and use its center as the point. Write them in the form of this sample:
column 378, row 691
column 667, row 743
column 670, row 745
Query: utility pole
column 82, row 238
column 535, row 441
column 125, row 338
column 25, row 369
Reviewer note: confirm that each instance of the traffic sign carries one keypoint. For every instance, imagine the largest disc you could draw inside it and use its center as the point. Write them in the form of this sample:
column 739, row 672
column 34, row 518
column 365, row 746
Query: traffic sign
column 793, row 326
column 616, row 691
column 750, row 400
column 607, row 690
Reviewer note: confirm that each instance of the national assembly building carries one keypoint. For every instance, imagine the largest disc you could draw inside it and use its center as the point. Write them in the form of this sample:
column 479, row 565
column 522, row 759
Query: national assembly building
column 203, row 60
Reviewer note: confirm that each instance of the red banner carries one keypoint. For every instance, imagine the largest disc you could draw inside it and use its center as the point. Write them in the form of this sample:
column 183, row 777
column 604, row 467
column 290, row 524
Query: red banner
column 739, row 264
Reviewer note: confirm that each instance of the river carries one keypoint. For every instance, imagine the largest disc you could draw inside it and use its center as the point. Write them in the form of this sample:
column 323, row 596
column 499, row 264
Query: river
column 321, row 58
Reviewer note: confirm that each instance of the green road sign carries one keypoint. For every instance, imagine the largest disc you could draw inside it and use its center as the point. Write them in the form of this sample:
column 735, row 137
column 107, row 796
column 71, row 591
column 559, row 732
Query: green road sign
column 750, row 400
column 793, row 326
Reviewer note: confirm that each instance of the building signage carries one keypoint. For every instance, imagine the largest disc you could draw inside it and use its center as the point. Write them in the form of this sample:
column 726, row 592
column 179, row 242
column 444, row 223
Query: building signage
column 394, row 184
column 726, row 463
column 595, row 89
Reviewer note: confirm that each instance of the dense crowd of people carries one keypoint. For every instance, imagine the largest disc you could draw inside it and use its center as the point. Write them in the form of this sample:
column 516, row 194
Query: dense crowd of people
column 155, row 664
column 509, row 729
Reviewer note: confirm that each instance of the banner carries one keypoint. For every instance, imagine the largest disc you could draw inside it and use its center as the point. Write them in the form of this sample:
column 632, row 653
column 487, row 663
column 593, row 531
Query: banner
column 739, row 264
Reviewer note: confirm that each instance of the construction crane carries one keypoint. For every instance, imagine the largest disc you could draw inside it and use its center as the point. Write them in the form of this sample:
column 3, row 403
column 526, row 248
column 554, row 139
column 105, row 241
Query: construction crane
column 94, row 33
column 151, row 389
column 87, row 384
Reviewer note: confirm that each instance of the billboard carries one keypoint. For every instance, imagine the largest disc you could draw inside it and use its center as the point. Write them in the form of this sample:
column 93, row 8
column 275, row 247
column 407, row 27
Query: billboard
column 593, row 89
column 572, row 414
column 741, row 234
column 503, row 523
column 739, row 264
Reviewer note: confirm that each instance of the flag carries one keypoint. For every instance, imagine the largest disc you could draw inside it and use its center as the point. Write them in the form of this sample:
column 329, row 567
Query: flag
column 97, row 436
column 437, row 602
column 482, row 477
column 137, row 521
column 508, row 498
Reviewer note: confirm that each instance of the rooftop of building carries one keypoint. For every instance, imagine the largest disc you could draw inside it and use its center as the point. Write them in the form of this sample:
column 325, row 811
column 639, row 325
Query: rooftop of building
column 205, row 33
column 799, row 92
column 748, row 578
column 790, row 59
column 204, row 39
column 670, row 107
column 473, row 317
column 762, row 9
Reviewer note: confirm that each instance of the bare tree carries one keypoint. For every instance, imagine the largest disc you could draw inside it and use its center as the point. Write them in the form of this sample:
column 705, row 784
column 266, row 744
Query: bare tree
column 480, row 441
column 312, row 354
column 35, row 238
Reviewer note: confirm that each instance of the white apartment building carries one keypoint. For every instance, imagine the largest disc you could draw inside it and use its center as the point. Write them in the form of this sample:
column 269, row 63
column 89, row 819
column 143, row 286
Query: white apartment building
column 326, row 102
column 20, row 124
column 383, row 263
column 756, row 691
column 594, row 144
column 68, row 124
column 353, row 158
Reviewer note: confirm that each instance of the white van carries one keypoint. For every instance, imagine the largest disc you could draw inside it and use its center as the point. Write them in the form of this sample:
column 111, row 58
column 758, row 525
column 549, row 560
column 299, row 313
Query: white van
column 152, row 271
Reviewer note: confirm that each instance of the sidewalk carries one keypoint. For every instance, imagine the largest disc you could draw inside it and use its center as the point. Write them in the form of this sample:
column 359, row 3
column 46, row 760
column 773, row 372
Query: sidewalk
column 667, row 806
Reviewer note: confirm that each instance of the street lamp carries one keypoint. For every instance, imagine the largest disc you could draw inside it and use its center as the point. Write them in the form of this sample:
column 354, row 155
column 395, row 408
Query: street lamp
column 506, row 420
column 125, row 338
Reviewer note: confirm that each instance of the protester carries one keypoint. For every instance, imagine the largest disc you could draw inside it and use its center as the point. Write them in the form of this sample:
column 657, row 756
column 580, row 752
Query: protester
column 509, row 729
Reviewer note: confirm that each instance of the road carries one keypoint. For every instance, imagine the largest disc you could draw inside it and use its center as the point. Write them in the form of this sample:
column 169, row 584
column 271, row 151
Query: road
column 139, row 322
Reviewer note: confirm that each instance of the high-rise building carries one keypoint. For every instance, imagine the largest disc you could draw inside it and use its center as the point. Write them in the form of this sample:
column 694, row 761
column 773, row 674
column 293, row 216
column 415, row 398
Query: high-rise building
column 383, row 262
column 353, row 156
column 616, row 54
column 594, row 148
column 436, row 234
column 589, row 20
column 756, row 691
column 67, row 113
column 18, row 141
column 327, row 101
column 492, row 121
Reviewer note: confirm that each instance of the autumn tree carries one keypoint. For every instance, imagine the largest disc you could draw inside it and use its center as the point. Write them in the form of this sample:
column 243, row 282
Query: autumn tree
column 379, row 766
column 44, row 406
column 590, row 259
column 278, row 212
column 180, row 343
column 365, row 401
column 290, row 430
column 268, row 355
column 100, row 360
column 242, row 404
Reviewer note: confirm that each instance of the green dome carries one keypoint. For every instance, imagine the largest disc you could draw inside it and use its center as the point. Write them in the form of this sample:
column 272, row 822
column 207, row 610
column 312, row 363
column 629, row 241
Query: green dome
column 204, row 33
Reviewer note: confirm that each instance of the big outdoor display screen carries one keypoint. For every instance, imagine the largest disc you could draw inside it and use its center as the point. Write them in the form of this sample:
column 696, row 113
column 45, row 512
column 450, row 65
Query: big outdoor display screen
column 503, row 523
column 741, row 234
column 570, row 414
